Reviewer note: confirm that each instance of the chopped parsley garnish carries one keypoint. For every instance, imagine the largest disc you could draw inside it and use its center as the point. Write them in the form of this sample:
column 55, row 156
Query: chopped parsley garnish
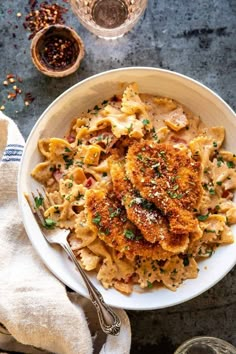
column 175, row 195
column 67, row 149
column 104, row 174
column 130, row 128
column 79, row 142
column 38, row 201
column 146, row 122
column 114, row 213
column 57, row 210
column 149, row 284
column 106, row 231
column 97, row 219
column 202, row 217
column 162, row 154
column 105, row 102
column 156, row 169
column 79, row 196
column 129, row 234
column 49, row 223
column 186, row 261
column 220, row 160
column 230, row 164
column 96, row 108
column 219, row 183
column 215, row 144
column 146, row 204
column 154, row 135
column 70, row 184
column 68, row 161
column 140, row 157
column 212, row 191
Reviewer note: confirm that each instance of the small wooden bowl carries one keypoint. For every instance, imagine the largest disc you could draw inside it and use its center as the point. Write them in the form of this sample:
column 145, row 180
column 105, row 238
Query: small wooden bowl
column 46, row 38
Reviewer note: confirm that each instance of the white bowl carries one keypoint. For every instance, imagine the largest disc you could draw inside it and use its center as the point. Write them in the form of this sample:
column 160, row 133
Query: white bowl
column 55, row 120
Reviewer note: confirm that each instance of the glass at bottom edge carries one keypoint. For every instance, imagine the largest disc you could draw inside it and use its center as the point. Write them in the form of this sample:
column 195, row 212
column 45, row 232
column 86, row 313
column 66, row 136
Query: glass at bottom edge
column 205, row 345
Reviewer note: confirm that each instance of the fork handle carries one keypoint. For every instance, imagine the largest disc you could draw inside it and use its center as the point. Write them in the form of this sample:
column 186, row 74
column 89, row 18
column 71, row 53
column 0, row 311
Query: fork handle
column 109, row 321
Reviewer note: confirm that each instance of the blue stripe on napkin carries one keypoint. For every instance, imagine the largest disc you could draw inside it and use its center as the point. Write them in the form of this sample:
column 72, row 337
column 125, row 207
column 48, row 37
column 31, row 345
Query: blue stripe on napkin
column 13, row 152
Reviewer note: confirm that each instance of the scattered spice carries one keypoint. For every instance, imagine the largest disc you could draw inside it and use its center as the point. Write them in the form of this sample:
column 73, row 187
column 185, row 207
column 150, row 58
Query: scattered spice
column 28, row 98
column 11, row 81
column 45, row 15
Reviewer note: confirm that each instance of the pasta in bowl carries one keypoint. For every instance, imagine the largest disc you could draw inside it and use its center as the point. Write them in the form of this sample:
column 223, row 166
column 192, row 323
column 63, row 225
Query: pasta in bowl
column 145, row 187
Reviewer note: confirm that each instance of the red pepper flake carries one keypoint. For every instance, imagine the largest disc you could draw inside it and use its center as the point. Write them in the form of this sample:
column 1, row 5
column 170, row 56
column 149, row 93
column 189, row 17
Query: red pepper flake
column 45, row 15
column 32, row 4
column 10, row 76
column 10, row 81
column 19, row 79
column 11, row 96
column 59, row 52
column 28, row 98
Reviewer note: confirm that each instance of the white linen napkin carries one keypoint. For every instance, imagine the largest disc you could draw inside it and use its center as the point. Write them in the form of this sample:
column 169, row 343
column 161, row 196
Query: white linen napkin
column 36, row 311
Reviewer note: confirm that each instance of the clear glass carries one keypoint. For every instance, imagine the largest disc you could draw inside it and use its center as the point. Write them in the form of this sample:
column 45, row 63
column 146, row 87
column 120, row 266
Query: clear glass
column 206, row 345
column 109, row 19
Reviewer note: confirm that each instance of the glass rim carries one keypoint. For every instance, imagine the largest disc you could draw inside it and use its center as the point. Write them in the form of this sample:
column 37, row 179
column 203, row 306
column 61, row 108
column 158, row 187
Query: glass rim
column 193, row 340
column 92, row 24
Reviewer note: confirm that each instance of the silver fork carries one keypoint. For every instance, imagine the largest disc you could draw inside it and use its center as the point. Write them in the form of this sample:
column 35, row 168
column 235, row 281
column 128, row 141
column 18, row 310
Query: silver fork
column 109, row 321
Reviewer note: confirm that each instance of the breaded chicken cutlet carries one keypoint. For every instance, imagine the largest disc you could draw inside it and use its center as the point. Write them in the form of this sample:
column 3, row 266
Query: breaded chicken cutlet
column 108, row 217
column 147, row 218
column 169, row 178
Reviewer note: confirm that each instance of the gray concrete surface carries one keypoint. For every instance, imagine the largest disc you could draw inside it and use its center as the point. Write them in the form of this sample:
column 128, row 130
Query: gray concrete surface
column 195, row 38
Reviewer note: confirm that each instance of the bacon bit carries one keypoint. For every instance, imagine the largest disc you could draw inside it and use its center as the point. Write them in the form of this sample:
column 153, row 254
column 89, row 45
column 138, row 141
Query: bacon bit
column 77, row 209
column 57, row 175
column 227, row 194
column 116, row 99
column 89, row 182
column 5, row 83
column 70, row 139
column 177, row 139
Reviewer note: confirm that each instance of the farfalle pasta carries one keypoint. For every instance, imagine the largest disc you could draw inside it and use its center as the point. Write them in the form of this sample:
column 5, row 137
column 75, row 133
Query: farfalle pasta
column 145, row 188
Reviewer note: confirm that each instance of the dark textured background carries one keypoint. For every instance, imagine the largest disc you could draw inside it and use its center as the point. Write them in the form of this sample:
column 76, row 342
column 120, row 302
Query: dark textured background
column 195, row 38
